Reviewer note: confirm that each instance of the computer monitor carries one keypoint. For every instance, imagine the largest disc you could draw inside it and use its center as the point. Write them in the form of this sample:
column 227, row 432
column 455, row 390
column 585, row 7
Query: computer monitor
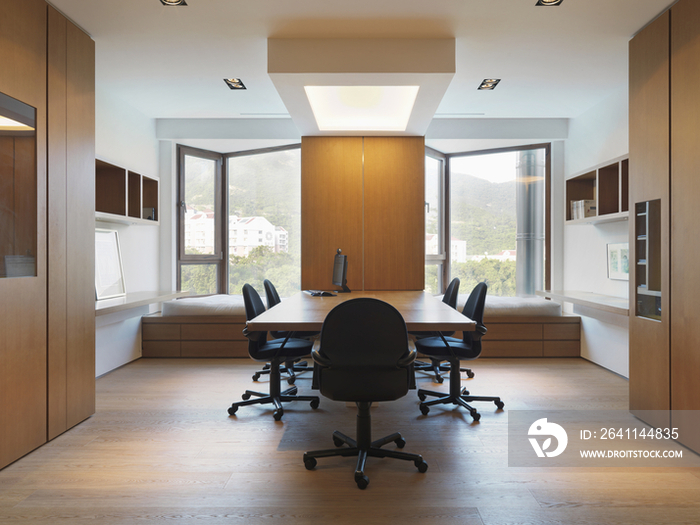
column 340, row 271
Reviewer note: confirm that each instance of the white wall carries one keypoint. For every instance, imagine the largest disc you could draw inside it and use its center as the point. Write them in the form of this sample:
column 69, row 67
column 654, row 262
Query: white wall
column 126, row 138
column 596, row 137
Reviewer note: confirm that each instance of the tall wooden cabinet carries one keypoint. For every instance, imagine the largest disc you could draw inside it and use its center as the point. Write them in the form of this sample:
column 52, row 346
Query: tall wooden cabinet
column 664, row 160
column 47, row 323
column 364, row 195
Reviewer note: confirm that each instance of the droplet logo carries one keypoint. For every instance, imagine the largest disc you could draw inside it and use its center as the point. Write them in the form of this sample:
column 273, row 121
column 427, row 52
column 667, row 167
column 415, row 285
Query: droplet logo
column 543, row 428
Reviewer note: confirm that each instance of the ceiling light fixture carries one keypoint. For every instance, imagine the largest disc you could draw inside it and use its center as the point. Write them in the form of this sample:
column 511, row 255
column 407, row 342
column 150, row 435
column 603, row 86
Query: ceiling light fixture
column 362, row 108
column 234, row 83
column 173, row 2
column 489, row 83
column 549, row 2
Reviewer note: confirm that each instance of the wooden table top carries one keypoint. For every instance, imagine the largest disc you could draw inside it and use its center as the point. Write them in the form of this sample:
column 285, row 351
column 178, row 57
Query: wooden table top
column 303, row 312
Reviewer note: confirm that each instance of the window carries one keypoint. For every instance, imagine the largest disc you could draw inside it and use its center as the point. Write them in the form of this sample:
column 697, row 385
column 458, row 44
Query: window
column 435, row 251
column 253, row 226
column 498, row 219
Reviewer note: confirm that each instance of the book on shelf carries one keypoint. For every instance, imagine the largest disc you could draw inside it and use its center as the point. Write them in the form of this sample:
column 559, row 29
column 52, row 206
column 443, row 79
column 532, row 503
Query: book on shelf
column 582, row 209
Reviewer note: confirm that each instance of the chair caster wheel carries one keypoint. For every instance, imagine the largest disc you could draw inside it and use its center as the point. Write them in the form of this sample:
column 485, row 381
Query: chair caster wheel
column 464, row 391
column 475, row 415
column 256, row 377
column 338, row 442
column 470, row 374
column 315, row 403
column 278, row 414
column 291, row 380
column 421, row 465
column 245, row 396
column 232, row 410
column 424, row 409
column 401, row 442
column 422, row 396
column 309, row 463
column 499, row 404
column 440, row 379
column 362, row 482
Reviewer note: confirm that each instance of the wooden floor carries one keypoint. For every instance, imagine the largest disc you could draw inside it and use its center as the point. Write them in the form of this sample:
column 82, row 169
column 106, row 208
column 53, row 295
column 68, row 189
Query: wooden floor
column 162, row 449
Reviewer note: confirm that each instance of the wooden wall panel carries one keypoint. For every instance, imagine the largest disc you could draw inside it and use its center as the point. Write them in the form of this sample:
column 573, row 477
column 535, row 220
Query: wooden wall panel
column 57, row 216
column 23, row 300
column 331, row 209
column 685, row 246
column 649, row 180
column 394, row 218
column 7, row 199
column 80, row 198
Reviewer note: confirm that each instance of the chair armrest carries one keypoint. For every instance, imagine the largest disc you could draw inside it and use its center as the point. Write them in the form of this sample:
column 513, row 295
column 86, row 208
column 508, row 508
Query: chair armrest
column 251, row 336
column 319, row 359
column 408, row 359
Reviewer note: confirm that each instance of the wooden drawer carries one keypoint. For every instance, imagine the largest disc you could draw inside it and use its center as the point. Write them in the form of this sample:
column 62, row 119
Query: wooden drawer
column 160, row 332
column 514, row 332
column 160, row 348
column 215, row 349
column 511, row 349
column 562, row 331
column 562, row 348
column 213, row 332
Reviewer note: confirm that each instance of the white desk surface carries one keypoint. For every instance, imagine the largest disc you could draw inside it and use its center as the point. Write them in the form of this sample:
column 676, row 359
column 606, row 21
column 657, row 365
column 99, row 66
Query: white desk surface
column 607, row 303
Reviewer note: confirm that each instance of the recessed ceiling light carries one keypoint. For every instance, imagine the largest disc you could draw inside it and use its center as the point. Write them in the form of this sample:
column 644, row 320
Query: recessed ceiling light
column 173, row 2
column 234, row 83
column 549, row 2
column 362, row 108
column 489, row 83
column 8, row 124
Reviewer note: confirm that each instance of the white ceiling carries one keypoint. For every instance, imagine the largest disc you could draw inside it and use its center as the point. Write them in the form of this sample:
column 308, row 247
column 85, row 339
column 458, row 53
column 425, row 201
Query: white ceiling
column 169, row 62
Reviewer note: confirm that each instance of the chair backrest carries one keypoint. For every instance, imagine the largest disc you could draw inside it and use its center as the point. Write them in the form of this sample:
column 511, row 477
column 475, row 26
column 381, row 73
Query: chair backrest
column 271, row 294
column 474, row 309
column 450, row 297
column 364, row 339
column 253, row 308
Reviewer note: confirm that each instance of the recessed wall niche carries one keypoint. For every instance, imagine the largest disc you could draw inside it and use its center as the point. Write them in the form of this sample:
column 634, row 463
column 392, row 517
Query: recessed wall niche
column 18, row 188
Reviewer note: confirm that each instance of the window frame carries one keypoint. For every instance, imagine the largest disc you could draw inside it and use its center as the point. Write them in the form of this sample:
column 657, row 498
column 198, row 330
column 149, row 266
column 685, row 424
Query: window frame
column 547, row 147
column 441, row 257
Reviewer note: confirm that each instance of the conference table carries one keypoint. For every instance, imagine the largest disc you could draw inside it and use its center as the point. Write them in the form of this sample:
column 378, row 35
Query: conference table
column 305, row 313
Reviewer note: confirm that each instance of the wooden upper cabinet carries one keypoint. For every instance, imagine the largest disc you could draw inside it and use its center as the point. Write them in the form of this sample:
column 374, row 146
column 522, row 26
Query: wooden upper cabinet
column 364, row 195
column 394, row 218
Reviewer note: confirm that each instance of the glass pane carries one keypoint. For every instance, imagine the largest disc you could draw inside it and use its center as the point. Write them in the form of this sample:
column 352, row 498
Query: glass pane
column 200, row 198
column 198, row 278
column 432, row 278
column 265, row 221
column 18, row 191
column 483, row 221
column 433, row 169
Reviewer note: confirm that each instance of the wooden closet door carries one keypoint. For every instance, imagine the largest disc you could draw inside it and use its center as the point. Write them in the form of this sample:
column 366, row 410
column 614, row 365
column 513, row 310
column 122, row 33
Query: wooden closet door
column 649, row 180
column 23, row 299
column 685, row 244
column 394, row 218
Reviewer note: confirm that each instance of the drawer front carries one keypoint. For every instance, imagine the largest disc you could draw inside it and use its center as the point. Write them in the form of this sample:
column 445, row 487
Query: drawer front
column 562, row 331
column 215, row 349
column 514, row 332
column 562, row 349
column 511, row 349
column 213, row 332
column 160, row 349
column 160, row 332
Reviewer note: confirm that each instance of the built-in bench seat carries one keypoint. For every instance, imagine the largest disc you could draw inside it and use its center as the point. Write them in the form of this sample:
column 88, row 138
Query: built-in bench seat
column 213, row 327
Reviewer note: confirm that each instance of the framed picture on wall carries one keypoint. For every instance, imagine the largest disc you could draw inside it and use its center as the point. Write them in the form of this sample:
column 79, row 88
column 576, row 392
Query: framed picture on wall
column 619, row 261
column 109, row 272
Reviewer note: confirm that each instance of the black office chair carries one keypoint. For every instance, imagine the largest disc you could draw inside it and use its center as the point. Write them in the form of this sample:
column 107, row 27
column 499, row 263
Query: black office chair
column 452, row 350
column 290, row 367
column 435, row 367
column 364, row 357
column 276, row 352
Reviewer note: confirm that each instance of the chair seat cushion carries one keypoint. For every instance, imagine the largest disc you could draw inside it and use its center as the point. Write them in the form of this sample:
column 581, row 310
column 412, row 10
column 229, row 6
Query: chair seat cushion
column 435, row 347
column 364, row 384
column 293, row 348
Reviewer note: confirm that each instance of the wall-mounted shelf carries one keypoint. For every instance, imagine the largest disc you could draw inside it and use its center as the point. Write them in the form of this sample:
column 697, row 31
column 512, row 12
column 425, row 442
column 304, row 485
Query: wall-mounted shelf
column 647, row 235
column 607, row 186
column 125, row 197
